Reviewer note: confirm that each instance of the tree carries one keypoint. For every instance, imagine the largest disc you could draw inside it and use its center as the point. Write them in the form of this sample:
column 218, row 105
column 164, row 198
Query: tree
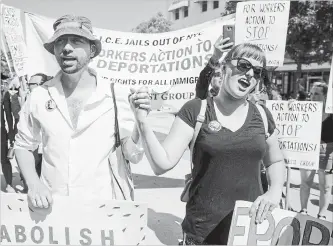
column 5, row 70
column 230, row 7
column 310, row 33
column 157, row 24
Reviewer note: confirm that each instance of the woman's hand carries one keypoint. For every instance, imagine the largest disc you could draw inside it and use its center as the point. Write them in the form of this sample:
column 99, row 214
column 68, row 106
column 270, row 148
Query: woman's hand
column 221, row 46
column 265, row 204
column 140, row 103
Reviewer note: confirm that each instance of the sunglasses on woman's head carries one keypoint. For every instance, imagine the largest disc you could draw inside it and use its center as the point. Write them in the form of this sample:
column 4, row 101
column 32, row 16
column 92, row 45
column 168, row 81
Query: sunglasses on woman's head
column 244, row 65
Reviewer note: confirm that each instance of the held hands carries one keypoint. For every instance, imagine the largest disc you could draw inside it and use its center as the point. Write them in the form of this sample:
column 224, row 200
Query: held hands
column 264, row 204
column 140, row 103
column 221, row 46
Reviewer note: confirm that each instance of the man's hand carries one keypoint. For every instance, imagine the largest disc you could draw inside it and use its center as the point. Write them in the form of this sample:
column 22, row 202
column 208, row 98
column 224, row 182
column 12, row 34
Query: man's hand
column 39, row 195
column 221, row 46
column 140, row 103
column 264, row 204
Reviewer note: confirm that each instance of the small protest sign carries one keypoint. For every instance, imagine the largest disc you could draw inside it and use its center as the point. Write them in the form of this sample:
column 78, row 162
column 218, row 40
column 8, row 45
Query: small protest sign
column 72, row 222
column 329, row 99
column 299, row 131
column 264, row 23
column 282, row 227
column 13, row 30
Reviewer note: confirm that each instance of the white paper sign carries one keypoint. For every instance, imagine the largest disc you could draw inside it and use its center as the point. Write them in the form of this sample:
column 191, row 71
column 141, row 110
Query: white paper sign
column 264, row 23
column 282, row 227
column 299, row 131
column 329, row 100
column 12, row 27
column 72, row 222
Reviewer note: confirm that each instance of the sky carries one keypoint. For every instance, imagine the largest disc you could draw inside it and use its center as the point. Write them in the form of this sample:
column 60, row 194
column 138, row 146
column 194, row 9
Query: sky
column 119, row 15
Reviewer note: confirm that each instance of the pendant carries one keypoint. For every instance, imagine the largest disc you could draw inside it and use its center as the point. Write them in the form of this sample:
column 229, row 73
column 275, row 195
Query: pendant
column 50, row 105
column 215, row 126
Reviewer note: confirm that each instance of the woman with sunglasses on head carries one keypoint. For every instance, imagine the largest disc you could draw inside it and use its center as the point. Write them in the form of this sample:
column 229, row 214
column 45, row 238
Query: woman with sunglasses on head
column 228, row 151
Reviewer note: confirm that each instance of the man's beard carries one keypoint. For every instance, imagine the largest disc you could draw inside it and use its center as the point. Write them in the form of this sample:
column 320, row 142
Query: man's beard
column 74, row 69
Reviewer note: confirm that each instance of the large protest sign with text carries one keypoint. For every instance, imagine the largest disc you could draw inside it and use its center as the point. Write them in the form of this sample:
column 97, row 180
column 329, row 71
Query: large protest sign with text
column 13, row 32
column 299, row 131
column 329, row 100
column 264, row 23
column 282, row 227
column 166, row 62
column 72, row 222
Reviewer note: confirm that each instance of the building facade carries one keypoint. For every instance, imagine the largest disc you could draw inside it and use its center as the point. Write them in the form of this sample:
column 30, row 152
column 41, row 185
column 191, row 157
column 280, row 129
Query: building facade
column 185, row 13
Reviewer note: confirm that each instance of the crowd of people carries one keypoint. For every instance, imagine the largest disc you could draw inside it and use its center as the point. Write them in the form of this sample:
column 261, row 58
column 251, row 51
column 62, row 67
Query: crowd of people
column 55, row 125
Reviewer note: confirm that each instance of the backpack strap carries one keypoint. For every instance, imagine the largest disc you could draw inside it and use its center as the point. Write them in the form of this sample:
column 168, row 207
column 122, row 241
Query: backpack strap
column 264, row 118
column 198, row 124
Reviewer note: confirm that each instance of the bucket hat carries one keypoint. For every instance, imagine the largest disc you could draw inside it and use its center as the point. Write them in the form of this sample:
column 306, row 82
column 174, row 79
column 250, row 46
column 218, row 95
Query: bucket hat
column 75, row 25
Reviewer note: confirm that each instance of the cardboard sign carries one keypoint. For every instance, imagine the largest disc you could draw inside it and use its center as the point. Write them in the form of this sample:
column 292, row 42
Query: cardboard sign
column 299, row 131
column 329, row 100
column 264, row 23
column 282, row 227
column 72, row 222
column 12, row 28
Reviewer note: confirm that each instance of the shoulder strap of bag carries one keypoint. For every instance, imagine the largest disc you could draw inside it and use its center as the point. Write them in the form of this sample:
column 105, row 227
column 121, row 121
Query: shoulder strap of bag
column 264, row 117
column 117, row 136
column 198, row 124
column 116, row 124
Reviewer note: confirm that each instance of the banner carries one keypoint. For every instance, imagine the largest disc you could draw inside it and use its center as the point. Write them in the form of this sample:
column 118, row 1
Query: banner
column 264, row 23
column 168, row 63
column 282, row 227
column 299, row 131
column 329, row 99
column 13, row 31
column 72, row 222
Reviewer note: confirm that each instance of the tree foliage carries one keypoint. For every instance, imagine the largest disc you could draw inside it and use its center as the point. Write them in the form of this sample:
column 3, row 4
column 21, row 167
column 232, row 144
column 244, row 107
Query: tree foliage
column 310, row 31
column 230, row 7
column 157, row 24
column 4, row 63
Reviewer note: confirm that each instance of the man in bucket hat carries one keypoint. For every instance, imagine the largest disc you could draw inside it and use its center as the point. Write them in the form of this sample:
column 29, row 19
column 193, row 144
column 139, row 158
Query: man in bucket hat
column 73, row 116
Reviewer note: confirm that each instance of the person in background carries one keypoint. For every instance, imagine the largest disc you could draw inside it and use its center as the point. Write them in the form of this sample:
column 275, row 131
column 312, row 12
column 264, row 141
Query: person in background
column 228, row 151
column 318, row 93
column 6, row 115
column 301, row 96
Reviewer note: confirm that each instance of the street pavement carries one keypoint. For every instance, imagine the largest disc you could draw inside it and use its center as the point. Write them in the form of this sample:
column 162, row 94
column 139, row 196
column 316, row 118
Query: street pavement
column 166, row 211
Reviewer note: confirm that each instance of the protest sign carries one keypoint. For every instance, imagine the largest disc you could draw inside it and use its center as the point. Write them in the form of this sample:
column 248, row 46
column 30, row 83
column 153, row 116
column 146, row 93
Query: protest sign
column 72, row 222
column 299, row 131
column 329, row 99
column 264, row 23
column 282, row 227
column 169, row 63
column 12, row 28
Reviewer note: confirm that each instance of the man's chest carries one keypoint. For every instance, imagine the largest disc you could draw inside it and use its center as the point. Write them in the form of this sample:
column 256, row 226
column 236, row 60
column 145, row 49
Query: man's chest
column 75, row 106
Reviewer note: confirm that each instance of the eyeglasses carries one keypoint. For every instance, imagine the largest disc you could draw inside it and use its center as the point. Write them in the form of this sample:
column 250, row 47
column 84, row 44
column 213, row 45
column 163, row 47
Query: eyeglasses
column 244, row 65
